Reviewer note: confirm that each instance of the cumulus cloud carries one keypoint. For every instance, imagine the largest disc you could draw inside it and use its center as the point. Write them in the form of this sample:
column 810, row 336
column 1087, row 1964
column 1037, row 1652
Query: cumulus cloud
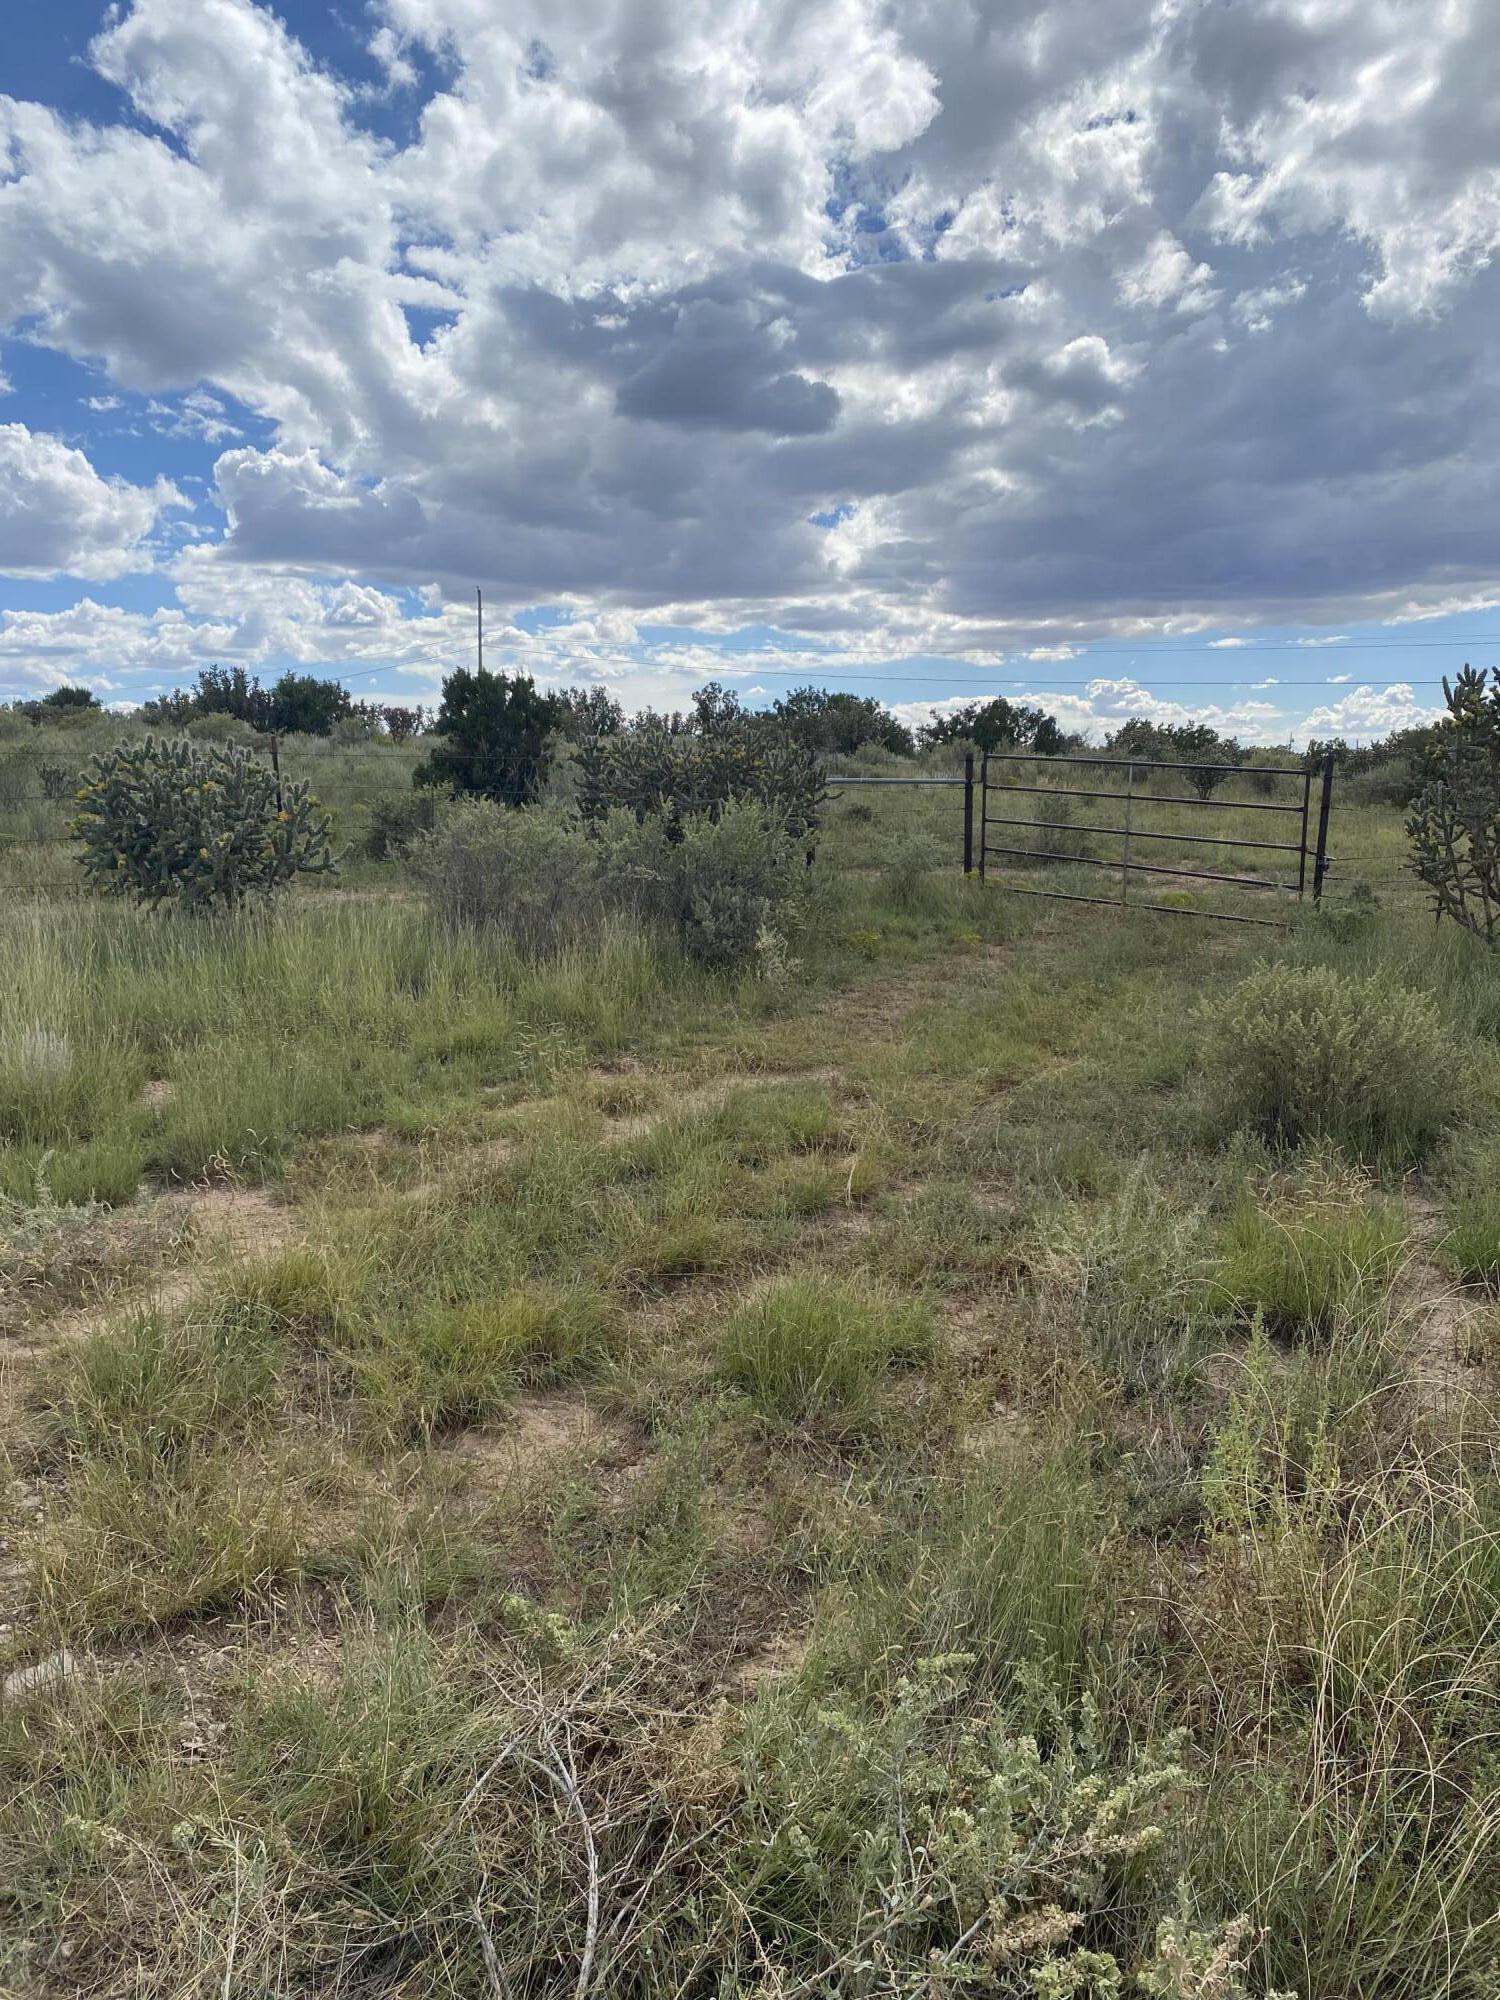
column 58, row 517
column 1368, row 711
column 896, row 329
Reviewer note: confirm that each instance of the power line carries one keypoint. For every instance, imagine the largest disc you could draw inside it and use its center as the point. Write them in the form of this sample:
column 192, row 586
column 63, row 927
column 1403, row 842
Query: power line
column 1039, row 671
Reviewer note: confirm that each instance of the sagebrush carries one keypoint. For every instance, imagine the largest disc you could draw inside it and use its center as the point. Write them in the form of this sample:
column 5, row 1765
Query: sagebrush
column 1307, row 1052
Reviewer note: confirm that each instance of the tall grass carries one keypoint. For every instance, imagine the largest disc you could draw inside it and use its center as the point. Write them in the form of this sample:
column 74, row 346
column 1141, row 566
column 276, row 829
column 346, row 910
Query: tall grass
column 307, row 1019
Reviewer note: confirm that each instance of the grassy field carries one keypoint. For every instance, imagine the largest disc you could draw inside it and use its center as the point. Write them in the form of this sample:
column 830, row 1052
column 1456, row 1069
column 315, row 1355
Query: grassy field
column 588, row 1477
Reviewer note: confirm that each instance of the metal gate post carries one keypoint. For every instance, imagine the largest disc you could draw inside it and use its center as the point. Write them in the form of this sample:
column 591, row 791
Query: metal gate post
column 1325, row 804
column 968, row 812
column 1307, row 771
column 984, row 808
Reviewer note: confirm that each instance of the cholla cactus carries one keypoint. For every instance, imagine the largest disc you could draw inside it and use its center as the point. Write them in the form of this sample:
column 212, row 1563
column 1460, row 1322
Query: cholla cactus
column 659, row 767
column 1454, row 822
column 197, row 824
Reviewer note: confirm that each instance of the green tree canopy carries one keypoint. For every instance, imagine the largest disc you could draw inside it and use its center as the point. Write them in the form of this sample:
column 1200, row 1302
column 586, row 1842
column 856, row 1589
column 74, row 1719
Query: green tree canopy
column 490, row 737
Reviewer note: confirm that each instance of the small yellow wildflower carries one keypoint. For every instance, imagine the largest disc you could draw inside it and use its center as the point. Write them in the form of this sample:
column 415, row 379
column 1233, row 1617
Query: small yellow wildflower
column 203, row 854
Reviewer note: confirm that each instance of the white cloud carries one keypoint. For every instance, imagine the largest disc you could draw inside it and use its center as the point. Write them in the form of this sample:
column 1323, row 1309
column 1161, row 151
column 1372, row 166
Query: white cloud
column 1426, row 200
column 58, row 517
column 199, row 416
column 1165, row 276
column 1256, row 310
column 635, row 298
column 1366, row 712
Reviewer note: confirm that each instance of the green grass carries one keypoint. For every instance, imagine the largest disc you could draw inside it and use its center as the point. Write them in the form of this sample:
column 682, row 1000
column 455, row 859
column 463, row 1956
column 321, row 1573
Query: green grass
column 808, row 1347
column 833, row 1463
column 1471, row 1216
column 1312, row 1261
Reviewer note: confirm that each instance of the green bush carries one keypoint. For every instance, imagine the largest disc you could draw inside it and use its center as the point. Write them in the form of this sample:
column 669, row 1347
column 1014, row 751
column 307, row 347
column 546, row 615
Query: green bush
column 1308, row 1052
column 959, row 1856
column 728, row 888
column 529, row 876
column 162, row 821
column 490, row 739
column 396, row 821
column 662, row 769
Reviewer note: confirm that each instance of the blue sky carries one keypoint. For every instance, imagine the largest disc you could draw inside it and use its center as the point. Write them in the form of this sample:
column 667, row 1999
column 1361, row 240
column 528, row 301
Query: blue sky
column 1135, row 365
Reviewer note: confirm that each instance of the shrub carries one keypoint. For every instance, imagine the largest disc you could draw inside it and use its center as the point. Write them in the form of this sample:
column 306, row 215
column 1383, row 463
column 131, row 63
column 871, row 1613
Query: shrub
column 1057, row 841
column 1308, row 1052
column 999, row 725
column 1392, row 782
column 1178, row 743
column 957, row 1855
column 403, row 723
column 297, row 704
column 62, row 705
column 1454, row 823
column 840, row 724
column 396, row 821
column 165, row 820
column 808, row 1346
column 589, row 712
column 662, row 769
column 727, row 887
column 529, row 876
column 490, row 737
column 727, row 890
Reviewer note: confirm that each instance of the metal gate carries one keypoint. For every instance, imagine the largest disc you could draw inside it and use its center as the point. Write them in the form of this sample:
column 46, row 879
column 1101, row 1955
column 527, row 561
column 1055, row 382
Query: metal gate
column 1309, row 849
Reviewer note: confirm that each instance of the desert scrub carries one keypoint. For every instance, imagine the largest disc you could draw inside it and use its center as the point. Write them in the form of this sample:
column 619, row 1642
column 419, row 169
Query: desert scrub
column 527, row 877
column 1356, row 1620
column 1306, row 1052
column 807, row 1347
column 205, row 827
column 728, row 890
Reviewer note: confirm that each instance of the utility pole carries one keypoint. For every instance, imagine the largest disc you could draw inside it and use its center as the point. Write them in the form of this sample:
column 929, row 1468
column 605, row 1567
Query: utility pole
column 479, row 605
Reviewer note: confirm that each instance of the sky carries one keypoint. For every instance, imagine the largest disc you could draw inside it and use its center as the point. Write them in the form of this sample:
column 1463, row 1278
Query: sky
column 1130, row 358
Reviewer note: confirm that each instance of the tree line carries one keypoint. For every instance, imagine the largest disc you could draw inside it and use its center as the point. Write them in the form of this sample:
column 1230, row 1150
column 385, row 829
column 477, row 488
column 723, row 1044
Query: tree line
column 478, row 705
